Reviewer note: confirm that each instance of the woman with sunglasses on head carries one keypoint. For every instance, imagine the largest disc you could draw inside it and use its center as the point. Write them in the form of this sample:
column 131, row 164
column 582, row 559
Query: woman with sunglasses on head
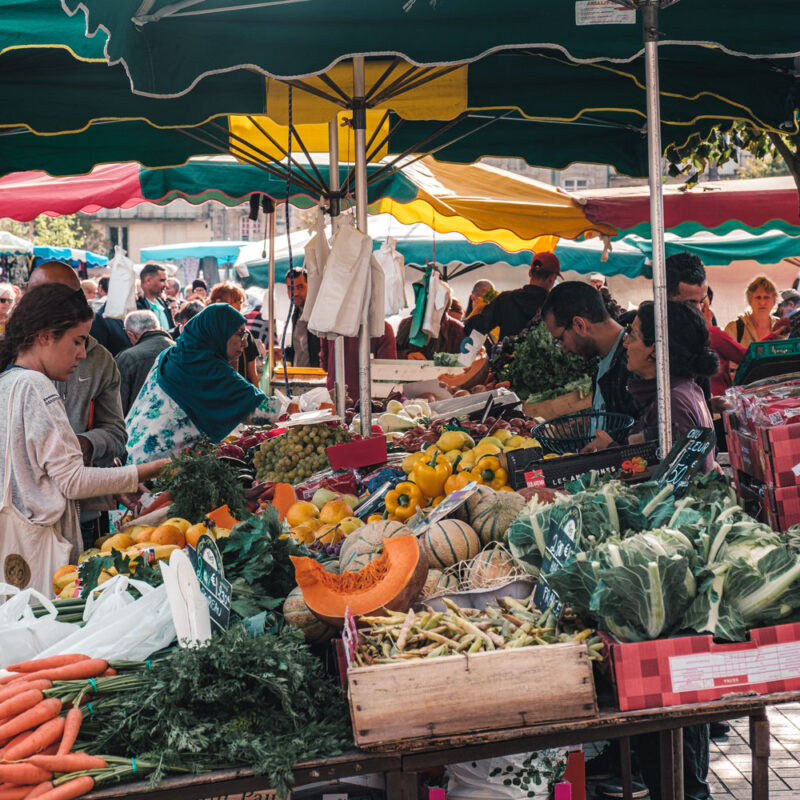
column 193, row 391
column 42, row 472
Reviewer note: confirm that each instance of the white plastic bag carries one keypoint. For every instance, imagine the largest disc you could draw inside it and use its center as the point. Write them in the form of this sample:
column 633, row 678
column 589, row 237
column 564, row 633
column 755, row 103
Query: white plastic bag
column 316, row 257
column 121, row 286
column 134, row 632
column 393, row 265
column 110, row 598
column 23, row 635
column 493, row 778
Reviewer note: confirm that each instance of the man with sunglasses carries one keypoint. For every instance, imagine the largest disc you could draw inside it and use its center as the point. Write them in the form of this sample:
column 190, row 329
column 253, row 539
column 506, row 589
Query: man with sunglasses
column 579, row 323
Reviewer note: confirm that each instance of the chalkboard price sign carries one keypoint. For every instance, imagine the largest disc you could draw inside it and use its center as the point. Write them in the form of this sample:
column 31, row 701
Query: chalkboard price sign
column 685, row 459
column 561, row 542
column 207, row 564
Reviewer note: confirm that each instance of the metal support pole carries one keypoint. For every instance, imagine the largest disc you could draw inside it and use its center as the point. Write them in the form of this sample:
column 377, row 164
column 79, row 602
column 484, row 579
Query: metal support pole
column 650, row 33
column 333, row 183
column 272, row 222
column 360, row 134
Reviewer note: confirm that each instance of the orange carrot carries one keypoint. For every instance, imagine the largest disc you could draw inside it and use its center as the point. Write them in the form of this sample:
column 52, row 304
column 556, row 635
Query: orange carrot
column 20, row 702
column 24, row 686
column 109, row 673
column 90, row 668
column 32, row 718
column 38, row 664
column 74, row 788
column 22, row 774
column 70, row 762
column 40, row 788
column 72, row 726
column 12, row 792
column 164, row 499
column 15, row 740
column 35, row 741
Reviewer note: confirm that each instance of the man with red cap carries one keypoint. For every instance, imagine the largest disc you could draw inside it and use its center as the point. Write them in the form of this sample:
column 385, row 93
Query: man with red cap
column 513, row 311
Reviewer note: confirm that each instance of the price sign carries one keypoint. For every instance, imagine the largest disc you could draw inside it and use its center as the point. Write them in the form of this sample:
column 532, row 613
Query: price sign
column 562, row 541
column 207, row 564
column 685, row 459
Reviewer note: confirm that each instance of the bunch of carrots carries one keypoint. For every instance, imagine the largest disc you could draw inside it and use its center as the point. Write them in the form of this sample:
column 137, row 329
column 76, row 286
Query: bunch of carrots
column 40, row 719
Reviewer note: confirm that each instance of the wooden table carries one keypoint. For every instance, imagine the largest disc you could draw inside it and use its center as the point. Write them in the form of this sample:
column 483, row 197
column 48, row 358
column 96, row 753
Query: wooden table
column 403, row 762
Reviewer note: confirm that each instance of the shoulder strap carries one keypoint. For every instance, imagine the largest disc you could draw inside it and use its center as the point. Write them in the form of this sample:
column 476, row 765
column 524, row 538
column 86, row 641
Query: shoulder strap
column 739, row 329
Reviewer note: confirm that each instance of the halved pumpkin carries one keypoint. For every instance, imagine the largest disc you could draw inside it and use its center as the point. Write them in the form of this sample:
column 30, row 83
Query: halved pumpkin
column 391, row 582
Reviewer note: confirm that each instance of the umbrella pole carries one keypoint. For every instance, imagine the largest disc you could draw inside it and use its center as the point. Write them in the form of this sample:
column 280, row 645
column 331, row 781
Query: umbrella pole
column 335, row 209
column 360, row 134
column 271, row 298
column 650, row 34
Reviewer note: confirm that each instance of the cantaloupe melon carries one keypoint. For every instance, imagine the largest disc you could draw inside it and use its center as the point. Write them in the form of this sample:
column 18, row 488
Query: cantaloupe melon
column 449, row 541
column 391, row 582
column 488, row 567
column 447, row 583
column 296, row 612
column 365, row 544
column 431, row 583
column 491, row 513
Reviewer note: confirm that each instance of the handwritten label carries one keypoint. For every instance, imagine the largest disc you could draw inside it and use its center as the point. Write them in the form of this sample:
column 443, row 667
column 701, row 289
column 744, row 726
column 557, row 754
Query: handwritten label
column 207, row 563
column 603, row 12
column 685, row 459
column 562, row 541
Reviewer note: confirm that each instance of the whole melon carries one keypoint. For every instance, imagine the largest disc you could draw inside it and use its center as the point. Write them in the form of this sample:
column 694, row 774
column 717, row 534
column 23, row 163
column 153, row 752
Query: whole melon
column 431, row 583
column 296, row 612
column 448, row 583
column 365, row 544
column 489, row 565
column 449, row 541
column 492, row 513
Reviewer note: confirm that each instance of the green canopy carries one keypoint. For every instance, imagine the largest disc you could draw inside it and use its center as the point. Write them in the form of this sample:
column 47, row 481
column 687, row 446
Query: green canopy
column 166, row 45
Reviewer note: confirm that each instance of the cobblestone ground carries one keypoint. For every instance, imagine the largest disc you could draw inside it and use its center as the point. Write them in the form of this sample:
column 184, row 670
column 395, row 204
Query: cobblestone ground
column 730, row 758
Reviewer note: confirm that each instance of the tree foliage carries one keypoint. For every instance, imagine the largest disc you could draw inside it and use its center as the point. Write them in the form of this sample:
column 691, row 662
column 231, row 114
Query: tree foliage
column 73, row 230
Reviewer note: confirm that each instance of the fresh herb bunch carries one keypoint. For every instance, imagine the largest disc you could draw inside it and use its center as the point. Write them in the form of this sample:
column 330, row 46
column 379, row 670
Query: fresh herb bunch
column 256, row 561
column 539, row 367
column 264, row 703
column 200, row 482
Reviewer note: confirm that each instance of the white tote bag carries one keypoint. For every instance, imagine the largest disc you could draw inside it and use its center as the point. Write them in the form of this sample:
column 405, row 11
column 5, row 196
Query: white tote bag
column 121, row 286
column 29, row 553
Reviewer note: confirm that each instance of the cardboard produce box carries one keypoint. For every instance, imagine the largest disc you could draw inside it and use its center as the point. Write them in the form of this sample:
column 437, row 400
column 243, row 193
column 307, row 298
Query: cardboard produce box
column 771, row 456
column 694, row 669
column 462, row 694
column 558, row 406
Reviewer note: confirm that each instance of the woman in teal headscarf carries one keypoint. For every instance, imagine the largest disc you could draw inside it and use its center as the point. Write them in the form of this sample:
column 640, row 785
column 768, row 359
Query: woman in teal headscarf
column 193, row 390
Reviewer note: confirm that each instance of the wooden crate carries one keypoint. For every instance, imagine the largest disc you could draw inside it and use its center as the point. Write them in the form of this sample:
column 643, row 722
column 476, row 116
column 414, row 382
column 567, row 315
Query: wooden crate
column 461, row 694
column 558, row 406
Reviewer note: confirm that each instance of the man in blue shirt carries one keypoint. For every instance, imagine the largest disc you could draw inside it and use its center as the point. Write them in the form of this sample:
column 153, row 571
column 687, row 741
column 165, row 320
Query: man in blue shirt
column 153, row 278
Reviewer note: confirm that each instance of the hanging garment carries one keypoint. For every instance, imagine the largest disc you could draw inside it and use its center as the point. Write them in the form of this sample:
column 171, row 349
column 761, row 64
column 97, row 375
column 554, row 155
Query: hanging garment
column 416, row 335
column 438, row 303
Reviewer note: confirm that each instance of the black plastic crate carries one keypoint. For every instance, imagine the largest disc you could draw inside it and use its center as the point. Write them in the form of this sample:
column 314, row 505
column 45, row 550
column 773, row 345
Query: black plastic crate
column 767, row 359
column 527, row 468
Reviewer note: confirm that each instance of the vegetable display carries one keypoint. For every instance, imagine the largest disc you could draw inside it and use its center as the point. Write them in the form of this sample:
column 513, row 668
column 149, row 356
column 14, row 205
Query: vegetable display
column 539, row 370
column 428, row 634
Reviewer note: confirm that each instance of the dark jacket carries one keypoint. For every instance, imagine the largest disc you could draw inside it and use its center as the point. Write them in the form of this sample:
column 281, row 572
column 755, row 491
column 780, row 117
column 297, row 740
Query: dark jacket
column 512, row 311
column 136, row 362
column 109, row 332
column 143, row 305
column 614, row 385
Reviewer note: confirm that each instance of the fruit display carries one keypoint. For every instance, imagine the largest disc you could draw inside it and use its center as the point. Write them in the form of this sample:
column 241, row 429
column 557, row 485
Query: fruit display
column 297, row 454
column 323, row 527
column 420, row 436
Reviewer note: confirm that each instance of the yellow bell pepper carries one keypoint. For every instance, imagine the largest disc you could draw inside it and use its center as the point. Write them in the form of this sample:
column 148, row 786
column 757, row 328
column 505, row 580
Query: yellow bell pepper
column 458, row 480
column 489, row 472
column 430, row 476
column 454, row 440
column 436, row 500
column 408, row 462
column 375, row 518
column 403, row 501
